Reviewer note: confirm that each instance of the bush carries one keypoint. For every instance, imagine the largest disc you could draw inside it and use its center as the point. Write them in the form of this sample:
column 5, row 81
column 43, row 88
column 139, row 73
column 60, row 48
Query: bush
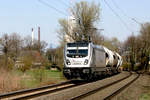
column 27, row 61
column 137, row 67
column 9, row 81
column 39, row 74
column 10, row 63
column 48, row 67
column 126, row 66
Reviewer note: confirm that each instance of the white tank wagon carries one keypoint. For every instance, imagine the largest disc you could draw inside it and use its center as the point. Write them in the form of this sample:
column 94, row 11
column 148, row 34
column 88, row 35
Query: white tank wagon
column 88, row 61
column 109, row 57
column 120, row 60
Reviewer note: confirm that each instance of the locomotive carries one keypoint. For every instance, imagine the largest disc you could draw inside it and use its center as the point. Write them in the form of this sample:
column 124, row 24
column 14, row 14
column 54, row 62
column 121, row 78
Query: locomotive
column 87, row 61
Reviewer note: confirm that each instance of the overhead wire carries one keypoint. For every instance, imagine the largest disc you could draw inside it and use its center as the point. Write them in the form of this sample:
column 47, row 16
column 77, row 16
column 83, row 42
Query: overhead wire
column 48, row 5
column 116, row 5
column 117, row 15
column 64, row 3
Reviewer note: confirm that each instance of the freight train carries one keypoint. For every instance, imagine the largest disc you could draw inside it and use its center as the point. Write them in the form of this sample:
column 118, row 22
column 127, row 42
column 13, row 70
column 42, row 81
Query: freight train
column 87, row 61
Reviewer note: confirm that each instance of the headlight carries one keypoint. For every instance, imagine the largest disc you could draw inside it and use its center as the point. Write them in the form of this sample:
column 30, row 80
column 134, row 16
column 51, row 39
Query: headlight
column 86, row 62
column 86, row 70
column 68, row 62
column 66, row 70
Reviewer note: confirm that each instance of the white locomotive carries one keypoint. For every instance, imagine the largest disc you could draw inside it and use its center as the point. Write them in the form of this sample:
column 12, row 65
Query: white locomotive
column 88, row 61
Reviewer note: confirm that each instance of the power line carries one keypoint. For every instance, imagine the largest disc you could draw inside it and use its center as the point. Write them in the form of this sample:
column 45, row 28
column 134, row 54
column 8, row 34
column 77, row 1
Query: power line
column 48, row 5
column 116, row 5
column 64, row 3
column 117, row 15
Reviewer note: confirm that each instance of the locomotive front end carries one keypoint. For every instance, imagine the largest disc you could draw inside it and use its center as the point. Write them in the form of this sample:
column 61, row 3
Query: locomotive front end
column 76, row 60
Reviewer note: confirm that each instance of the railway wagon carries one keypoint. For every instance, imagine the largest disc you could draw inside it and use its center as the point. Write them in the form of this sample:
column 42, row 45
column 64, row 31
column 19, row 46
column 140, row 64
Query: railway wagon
column 120, row 60
column 87, row 61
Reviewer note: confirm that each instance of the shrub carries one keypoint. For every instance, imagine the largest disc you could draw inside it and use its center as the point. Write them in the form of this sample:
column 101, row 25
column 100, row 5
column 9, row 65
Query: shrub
column 126, row 66
column 39, row 74
column 137, row 67
column 9, row 81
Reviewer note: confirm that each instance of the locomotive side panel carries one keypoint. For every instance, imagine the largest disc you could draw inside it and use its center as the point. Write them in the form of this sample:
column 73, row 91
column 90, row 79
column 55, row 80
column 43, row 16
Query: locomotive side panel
column 100, row 58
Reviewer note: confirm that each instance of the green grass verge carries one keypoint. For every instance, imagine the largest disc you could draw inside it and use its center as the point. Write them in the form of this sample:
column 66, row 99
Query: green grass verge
column 145, row 96
column 38, row 77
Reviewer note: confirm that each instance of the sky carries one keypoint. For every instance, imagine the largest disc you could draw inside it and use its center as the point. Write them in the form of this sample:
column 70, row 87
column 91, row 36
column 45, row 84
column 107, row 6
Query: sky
column 21, row 15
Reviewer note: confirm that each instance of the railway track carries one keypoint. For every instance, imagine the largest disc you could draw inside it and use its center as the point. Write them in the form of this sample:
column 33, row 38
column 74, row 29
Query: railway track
column 70, row 93
column 121, row 89
column 73, row 91
column 108, row 91
column 27, row 93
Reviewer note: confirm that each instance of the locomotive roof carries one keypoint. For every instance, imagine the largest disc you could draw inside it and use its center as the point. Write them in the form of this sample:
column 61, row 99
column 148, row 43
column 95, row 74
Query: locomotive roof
column 97, row 46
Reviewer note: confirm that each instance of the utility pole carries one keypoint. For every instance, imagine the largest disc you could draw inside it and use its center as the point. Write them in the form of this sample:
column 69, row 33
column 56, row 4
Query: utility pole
column 39, row 38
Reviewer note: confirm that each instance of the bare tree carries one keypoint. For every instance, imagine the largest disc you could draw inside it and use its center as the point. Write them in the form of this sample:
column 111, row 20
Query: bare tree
column 85, row 16
column 55, row 56
column 139, row 47
column 6, row 43
column 145, row 36
column 16, row 45
column 130, row 45
column 27, row 43
column 35, row 46
column 43, row 46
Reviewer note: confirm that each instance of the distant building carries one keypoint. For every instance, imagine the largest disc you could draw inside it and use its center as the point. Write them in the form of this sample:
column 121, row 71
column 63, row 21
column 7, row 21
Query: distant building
column 1, row 50
column 72, row 25
column 19, row 64
column 37, row 59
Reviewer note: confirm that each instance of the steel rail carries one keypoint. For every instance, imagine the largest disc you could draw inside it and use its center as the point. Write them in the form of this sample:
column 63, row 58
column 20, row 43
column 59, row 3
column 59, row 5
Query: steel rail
column 98, row 89
column 36, row 92
column 54, row 91
column 55, row 87
column 121, row 89
column 49, row 91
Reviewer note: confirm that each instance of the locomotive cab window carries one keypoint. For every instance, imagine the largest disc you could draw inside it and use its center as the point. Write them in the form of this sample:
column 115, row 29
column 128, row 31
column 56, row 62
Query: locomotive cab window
column 77, row 44
column 77, row 53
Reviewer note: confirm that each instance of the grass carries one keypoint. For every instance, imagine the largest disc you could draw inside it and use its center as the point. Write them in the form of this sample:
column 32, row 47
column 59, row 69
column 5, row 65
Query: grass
column 145, row 96
column 49, row 73
column 31, row 79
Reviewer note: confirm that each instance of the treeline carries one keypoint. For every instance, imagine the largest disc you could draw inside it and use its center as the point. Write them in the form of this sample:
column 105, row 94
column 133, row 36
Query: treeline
column 21, row 52
column 137, row 49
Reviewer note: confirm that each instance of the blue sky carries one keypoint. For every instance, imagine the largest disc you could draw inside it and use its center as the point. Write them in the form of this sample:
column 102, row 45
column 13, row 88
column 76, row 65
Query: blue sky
column 21, row 15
